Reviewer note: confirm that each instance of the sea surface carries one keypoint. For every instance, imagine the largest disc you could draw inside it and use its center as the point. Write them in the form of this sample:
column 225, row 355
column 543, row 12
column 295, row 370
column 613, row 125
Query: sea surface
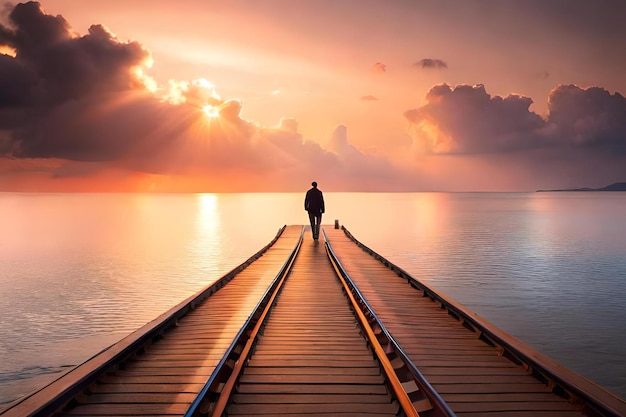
column 79, row 272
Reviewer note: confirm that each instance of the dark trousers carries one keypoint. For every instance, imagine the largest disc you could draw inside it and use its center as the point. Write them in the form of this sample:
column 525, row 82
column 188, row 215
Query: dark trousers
column 316, row 220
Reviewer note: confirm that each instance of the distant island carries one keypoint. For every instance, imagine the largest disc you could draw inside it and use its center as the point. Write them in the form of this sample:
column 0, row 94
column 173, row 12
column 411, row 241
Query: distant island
column 618, row 186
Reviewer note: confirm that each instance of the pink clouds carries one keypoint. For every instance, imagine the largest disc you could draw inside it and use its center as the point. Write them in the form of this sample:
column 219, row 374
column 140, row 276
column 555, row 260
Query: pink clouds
column 466, row 119
column 77, row 107
column 591, row 118
column 93, row 110
column 431, row 63
column 583, row 139
column 379, row 68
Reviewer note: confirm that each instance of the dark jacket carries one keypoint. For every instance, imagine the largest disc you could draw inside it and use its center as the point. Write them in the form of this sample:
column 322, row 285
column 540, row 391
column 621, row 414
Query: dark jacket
column 314, row 201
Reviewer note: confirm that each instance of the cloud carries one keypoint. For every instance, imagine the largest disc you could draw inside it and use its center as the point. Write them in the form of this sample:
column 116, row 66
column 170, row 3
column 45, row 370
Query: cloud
column 361, row 171
column 592, row 119
column 80, row 110
column 55, row 65
column 74, row 108
column 583, row 136
column 466, row 120
column 431, row 63
column 339, row 163
column 379, row 68
column 57, row 75
column 289, row 124
column 87, row 99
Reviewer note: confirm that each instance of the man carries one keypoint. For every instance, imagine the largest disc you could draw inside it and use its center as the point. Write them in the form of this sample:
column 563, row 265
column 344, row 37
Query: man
column 314, row 204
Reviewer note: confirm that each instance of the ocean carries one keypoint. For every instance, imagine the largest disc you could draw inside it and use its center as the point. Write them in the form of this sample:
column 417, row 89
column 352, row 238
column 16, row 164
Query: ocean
column 80, row 271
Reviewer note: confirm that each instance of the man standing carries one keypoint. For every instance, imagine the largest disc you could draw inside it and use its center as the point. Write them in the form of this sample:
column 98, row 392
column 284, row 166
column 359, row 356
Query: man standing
column 314, row 204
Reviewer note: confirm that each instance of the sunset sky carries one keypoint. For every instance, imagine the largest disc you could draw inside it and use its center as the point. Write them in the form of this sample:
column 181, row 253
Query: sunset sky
column 360, row 95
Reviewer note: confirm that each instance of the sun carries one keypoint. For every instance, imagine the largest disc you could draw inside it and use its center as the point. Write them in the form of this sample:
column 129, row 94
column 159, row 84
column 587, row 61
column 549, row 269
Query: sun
column 211, row 111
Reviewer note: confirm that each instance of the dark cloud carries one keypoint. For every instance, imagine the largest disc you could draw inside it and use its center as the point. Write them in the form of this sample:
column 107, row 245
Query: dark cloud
column 368, row 98
column 56, row 93
column 54, row 65
column 379, row 68
column 583, row 135
column 81, row 105
column 85, row 98
column 34, row 30
column 466, row 119
column 16, row 82
column 431, row 63
column 591, row 118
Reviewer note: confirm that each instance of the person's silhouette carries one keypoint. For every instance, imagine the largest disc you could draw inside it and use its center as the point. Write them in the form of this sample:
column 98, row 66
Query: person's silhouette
column 314, row 205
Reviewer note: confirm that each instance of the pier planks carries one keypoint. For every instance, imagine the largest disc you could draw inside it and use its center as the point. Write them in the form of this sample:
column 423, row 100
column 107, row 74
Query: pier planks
column 311, row 358
column 166, row 378
column 469, row 374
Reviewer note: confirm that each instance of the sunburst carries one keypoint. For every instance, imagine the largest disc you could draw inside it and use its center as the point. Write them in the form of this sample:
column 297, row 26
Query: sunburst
column 211, row 111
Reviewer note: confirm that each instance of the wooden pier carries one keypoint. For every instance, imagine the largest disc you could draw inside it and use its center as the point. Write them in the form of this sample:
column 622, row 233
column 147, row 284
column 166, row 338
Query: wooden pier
column 319, row 328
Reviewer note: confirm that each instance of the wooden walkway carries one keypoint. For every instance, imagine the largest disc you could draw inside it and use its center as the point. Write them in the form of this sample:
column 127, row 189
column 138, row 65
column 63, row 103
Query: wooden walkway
column 311, row 358
column 471, row 375
column 166, row 378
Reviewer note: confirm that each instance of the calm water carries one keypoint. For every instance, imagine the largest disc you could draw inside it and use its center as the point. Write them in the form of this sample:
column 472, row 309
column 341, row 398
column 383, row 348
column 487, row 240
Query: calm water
column 80, row 271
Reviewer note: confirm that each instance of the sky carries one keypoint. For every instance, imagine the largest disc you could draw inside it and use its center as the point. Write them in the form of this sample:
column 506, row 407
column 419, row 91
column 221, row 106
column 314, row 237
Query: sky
column 266, row 96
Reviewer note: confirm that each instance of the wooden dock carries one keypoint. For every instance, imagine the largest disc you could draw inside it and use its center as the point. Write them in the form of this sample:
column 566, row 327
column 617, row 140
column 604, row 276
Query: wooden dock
column 319, row 329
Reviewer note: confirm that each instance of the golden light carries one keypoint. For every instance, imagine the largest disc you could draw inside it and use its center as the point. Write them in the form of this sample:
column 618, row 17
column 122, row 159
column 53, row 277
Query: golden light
column 211, row 111
column 433, row 138
column 147, row 81
column 204, row 83
column 7, row 50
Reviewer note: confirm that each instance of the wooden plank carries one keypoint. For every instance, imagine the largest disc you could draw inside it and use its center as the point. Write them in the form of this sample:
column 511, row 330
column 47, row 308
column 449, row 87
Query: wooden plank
column 147, row 388
column 136, row 398
column 312, row 362
column 150, row 379
column 472, row 370
column 322, row 408
column 480, row 379
column 311, row 371
column 128, row 410
column 508, row 397
column 497, row 407
column 495, row 389
column 358, row 400
column 324, row 377
column 312, row 355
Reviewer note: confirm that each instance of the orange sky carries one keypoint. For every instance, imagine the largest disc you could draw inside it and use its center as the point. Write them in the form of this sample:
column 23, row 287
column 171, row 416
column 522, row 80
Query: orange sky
column 359, row 95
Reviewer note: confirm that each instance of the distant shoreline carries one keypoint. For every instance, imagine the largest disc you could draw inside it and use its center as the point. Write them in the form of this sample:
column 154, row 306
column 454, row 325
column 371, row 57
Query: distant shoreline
column 618, row 186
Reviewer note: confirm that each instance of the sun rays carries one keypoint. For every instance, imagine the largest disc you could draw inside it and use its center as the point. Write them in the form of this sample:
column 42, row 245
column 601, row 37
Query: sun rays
column 211, row 111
